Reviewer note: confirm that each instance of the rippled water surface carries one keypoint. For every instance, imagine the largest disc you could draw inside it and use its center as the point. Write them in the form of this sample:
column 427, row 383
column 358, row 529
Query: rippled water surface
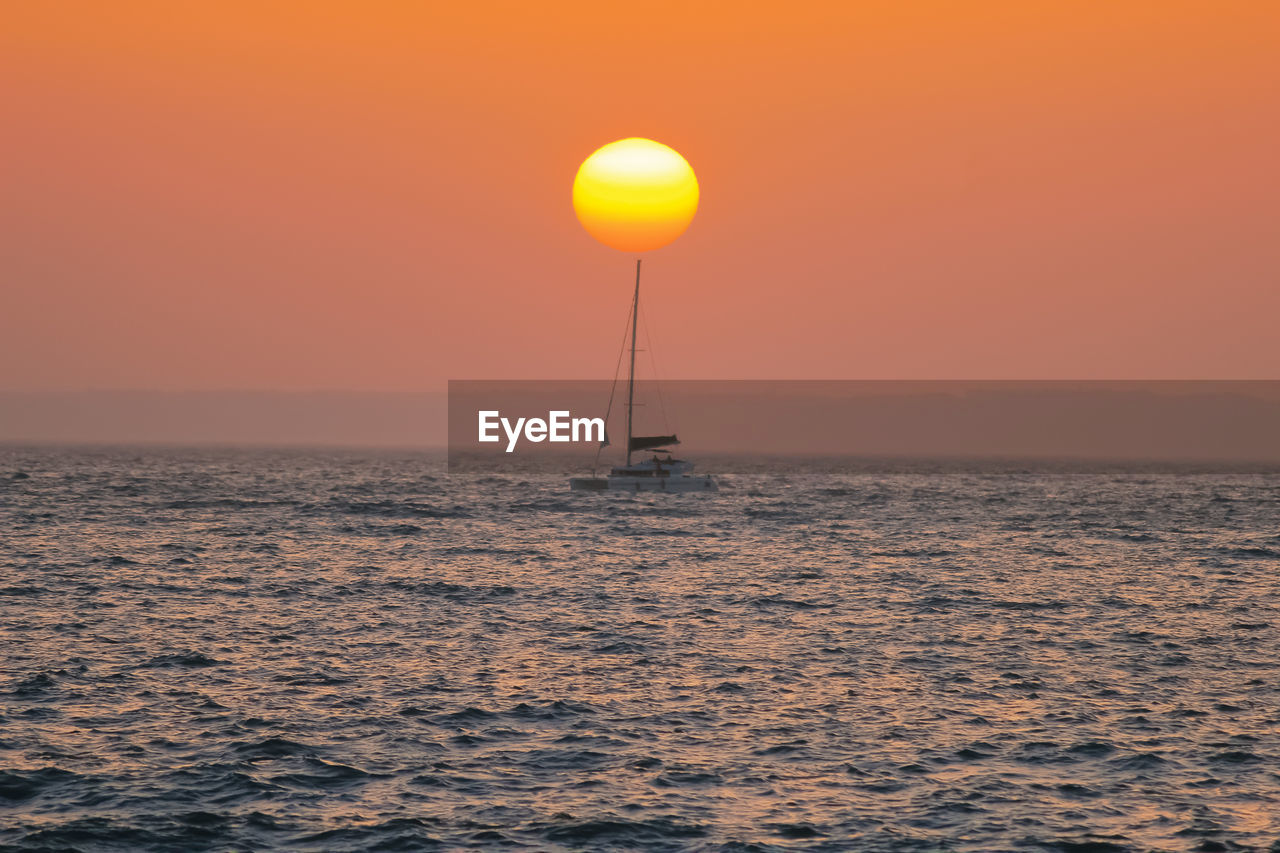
column 336, row 651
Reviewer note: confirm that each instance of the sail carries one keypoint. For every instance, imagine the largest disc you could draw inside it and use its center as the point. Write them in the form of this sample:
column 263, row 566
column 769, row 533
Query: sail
column 649, row 442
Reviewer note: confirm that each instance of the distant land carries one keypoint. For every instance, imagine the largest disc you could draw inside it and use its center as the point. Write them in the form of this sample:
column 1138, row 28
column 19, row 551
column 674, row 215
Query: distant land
column 1200, row 420
column 267, row 418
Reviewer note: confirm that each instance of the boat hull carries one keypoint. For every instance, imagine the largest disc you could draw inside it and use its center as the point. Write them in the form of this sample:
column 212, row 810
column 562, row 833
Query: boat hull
column 643, row 484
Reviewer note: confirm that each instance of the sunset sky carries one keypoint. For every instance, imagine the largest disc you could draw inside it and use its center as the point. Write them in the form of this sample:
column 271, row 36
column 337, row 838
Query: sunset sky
column 377, row 196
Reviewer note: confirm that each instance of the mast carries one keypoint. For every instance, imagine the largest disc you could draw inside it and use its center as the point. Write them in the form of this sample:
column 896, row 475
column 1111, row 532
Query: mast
column 631, row 374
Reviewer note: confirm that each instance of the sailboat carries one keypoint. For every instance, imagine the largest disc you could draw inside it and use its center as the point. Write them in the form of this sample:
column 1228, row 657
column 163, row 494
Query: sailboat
column 661, row 471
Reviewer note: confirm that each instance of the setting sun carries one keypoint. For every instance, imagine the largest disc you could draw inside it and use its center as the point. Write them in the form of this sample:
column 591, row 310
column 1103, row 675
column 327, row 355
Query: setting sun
column 635, row 195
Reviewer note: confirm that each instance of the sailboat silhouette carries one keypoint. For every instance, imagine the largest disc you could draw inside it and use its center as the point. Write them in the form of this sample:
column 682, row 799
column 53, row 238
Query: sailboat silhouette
column 660, row 472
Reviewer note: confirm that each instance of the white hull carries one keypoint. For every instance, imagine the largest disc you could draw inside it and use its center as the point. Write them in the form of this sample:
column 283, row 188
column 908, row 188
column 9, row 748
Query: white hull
column 643, row 484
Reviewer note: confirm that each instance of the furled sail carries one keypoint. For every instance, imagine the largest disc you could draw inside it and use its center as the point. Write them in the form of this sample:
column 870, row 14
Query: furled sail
column 649, row 442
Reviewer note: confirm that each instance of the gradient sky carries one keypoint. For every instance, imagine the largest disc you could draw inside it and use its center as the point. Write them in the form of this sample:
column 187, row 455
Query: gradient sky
column 377, row 196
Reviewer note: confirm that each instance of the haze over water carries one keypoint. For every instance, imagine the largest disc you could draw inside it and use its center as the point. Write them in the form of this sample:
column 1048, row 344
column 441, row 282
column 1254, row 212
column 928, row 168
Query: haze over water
column 345, row 651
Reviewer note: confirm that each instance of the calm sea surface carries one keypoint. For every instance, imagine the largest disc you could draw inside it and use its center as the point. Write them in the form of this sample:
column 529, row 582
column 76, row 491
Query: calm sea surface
column 240, row 650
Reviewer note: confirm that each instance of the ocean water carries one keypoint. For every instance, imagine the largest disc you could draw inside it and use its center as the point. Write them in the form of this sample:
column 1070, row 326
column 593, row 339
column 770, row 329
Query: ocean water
column 253, row 650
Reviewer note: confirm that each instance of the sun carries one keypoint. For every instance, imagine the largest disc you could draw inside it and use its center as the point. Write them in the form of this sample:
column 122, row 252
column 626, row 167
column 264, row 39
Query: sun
column 635, row 195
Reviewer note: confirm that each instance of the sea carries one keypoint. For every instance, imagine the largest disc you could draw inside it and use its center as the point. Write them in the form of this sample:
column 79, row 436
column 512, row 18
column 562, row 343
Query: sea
column 242, row 650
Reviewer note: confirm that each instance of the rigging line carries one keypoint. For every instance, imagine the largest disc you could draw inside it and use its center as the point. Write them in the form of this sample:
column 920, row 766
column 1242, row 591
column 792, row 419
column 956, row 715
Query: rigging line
column 653, row 363
column 614, row 387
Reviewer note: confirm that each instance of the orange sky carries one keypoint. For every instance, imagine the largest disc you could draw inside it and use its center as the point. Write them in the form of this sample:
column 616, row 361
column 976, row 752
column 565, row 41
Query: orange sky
column 377, row 196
